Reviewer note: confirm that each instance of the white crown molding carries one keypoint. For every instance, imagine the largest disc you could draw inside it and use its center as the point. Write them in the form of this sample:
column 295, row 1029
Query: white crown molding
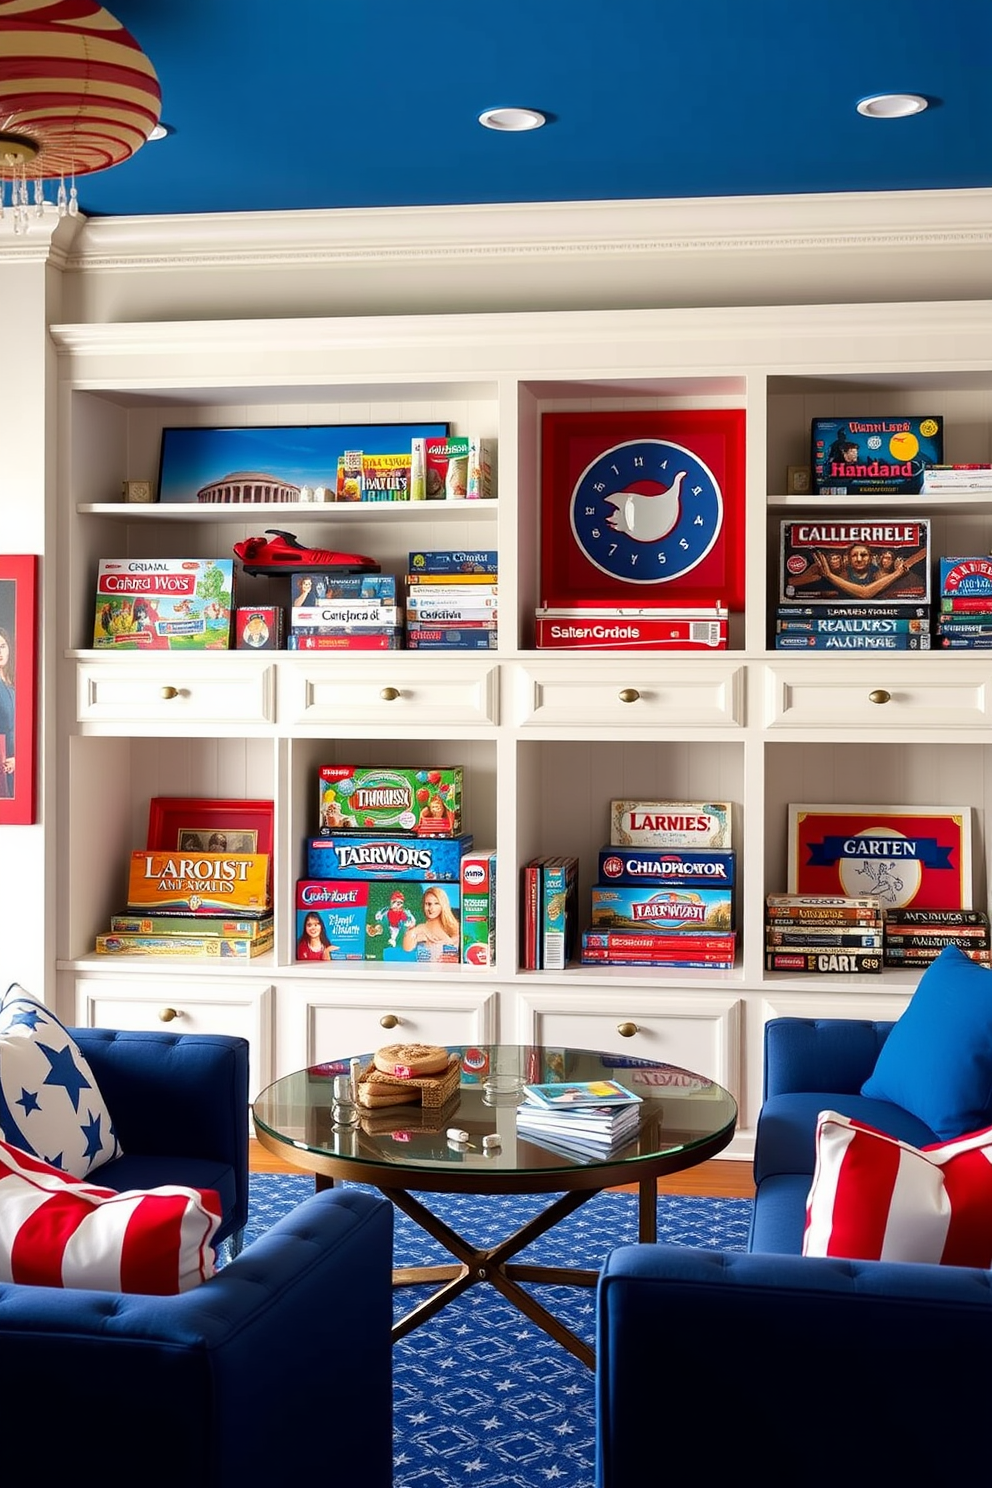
column 887, row 221
column 829, row 324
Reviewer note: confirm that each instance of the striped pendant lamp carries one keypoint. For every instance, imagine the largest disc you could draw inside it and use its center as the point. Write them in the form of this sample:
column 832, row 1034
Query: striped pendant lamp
column 77, row 95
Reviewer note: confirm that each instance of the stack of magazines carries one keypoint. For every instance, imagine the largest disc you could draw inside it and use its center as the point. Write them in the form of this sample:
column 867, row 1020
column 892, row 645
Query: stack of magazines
column 579, row 1119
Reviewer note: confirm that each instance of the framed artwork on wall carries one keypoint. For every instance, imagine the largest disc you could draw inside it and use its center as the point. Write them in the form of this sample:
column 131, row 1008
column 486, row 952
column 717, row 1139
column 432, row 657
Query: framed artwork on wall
column 248, row 465
column 18, row 687
column 903, row 856
column 202, row 824
column 643, row 508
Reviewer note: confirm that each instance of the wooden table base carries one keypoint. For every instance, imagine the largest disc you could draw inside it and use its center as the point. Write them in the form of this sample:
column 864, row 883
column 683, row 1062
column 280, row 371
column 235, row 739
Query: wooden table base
column 492, row 1265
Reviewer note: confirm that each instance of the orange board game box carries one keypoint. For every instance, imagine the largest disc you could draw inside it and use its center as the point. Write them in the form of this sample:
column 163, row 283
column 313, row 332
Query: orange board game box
column 199, row 883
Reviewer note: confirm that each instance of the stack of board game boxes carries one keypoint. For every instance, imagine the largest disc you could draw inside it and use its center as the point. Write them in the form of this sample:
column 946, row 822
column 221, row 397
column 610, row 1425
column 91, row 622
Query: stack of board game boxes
column 194, row 903
column 385, row 871
column 344, row 612
column 451, row 600
column 964, row 621
column 664, row 892
column 915, row 937
column 579, row 1118
column 549, row 913
column 854, row 585
column 823, row 933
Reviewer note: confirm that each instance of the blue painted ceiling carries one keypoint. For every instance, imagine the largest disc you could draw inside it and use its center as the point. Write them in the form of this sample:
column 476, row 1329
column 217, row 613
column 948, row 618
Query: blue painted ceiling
column 304, row 104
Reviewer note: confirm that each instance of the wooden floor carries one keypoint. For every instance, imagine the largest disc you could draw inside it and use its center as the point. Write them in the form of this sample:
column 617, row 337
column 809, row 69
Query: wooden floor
column 717, row 1179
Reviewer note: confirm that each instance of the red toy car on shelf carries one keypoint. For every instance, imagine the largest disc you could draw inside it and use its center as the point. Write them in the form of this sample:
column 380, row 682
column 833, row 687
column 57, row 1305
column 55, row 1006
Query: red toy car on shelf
column 282, row 553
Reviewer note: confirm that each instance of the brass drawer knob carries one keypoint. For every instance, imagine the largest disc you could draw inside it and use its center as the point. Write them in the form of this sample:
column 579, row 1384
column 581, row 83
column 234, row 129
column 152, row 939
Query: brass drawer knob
column 629, row 695
column 389, row 694
column 169, row 692
column 167, row 1014
column 388, row 1020
column 880, row 696
column 626, row 1030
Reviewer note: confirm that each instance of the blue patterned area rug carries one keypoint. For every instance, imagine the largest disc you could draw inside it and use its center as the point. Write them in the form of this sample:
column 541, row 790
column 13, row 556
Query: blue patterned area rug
column 482, row 1396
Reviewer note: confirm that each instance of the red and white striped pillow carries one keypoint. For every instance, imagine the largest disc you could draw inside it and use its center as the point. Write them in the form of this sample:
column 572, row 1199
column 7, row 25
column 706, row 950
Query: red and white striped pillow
column 65, row 1232
column 878, row 1199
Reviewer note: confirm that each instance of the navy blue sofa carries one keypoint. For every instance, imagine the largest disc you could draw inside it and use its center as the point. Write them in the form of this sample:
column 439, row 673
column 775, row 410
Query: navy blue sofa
column 798, row 1370
column 273, row 1371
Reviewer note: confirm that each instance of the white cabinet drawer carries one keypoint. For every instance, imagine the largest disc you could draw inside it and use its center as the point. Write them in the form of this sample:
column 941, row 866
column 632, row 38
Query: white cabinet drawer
column 332, row 1023
column 610, row 693
column 175, row 690
column 389, row 692
column 697, row 1033
column 181, row 1004
column 881, row 692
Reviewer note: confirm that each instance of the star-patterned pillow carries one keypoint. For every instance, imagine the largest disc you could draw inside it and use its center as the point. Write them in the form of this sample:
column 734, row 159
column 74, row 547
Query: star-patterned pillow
column 50, row 1105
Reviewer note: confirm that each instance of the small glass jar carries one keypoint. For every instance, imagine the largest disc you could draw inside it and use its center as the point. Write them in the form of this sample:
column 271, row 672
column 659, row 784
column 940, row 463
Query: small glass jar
column 344, row 1112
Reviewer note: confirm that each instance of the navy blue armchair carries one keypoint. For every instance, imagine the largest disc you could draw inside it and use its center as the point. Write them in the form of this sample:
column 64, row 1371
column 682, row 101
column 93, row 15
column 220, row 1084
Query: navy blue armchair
column 807, row 1370
column 273, row 1370
column 180, row 1108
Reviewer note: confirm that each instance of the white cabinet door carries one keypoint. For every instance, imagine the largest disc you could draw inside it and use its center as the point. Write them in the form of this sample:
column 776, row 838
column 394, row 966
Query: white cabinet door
column 578, row 690
column 395, row 692
column 881, row 693
column 701, row 1034
column 157, row 690
column 316, row 1024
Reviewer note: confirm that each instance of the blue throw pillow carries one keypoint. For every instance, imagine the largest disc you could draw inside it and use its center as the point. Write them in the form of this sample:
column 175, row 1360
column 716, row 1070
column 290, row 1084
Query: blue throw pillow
column 937, row 1061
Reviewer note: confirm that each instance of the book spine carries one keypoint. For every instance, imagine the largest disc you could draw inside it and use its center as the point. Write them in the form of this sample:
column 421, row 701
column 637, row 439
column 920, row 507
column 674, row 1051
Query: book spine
column 965, row 604
column 444, row 582
column 839, row 919
column 815, row 959
column 857, row 611
column 340, row 612
column 896, row 956
column 559, row 882
column 451, row 591
column 452, row 638
column 936, row 917
column 332, row 641
column 531, row 891
column 964, row 643
column 823, row 901
column 915, row 953
column 866, row 939
column 817, row 642
column 853, row 625
column 959, row 935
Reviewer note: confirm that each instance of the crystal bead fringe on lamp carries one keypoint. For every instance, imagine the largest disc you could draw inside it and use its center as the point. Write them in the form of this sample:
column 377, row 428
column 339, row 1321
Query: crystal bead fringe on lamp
column 77, row 95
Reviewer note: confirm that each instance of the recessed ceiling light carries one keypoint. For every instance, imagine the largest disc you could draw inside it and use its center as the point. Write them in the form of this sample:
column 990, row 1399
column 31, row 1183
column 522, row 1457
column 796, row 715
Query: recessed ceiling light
column 892, row 105
column 511, row 120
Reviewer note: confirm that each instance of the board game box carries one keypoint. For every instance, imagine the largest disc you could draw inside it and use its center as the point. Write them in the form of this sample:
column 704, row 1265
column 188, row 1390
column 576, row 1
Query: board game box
column 874, row 455
column 390, row 799
column 478, row 879
column 830, row 562
column 647, row 907
column 392, row 920
column 163, row 604
column 670, row 824
column 199, row 883
column 639, row 865
column 387, row 856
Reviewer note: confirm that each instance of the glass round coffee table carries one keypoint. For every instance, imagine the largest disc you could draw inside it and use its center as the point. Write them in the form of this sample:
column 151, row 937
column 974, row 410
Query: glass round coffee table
column 682, row 1119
